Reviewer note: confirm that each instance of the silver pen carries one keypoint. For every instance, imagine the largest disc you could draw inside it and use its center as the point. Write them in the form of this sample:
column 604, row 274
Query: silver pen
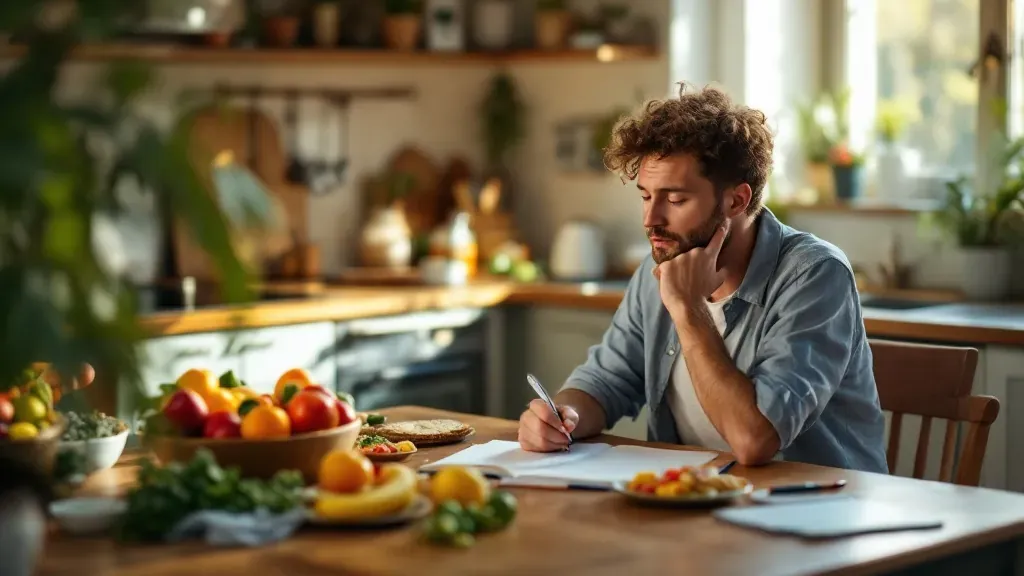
column 543, row 394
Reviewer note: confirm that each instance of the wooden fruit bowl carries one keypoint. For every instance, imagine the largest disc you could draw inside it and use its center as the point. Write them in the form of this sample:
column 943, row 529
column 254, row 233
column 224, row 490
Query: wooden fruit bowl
column 260, row 458
column 38, row 453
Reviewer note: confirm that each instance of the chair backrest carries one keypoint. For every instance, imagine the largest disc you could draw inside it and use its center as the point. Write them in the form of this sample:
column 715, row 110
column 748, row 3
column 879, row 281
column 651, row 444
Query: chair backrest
column 934, row 381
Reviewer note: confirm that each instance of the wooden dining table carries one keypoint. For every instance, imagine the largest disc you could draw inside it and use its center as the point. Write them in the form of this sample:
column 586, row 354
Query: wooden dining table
column 587, row 532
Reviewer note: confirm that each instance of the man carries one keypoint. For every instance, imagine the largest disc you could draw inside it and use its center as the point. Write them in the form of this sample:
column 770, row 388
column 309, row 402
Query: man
column 740, row 333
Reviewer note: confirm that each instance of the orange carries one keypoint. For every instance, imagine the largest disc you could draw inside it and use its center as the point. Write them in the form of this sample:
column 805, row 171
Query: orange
column 266, row 422
column 222, row 400
column 199, row 380
column 345, row 471
column 300, row 377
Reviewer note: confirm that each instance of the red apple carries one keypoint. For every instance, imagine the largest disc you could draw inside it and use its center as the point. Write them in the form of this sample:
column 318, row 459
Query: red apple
column 223, row 424
column 6, row 411
column 187, row 411
column 346, row 413
column 310, row 411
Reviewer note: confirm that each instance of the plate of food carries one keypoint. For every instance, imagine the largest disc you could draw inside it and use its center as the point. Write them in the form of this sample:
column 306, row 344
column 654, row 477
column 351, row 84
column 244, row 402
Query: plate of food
column 421, row 432
column 380, row 449
column 686, row 487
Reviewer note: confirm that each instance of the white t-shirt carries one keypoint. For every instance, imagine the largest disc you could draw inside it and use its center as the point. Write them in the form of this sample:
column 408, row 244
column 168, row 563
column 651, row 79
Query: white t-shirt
column 691, row 422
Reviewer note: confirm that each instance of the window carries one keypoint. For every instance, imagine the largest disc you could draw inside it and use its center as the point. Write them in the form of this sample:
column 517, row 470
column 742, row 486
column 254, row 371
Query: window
column 914, row 57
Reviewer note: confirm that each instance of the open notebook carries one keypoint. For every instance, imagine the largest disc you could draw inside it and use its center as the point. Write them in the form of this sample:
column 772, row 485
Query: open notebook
column 586, row 464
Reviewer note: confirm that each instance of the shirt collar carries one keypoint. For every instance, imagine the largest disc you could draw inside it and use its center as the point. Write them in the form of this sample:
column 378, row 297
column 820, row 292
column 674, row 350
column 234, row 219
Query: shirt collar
column 763, row 261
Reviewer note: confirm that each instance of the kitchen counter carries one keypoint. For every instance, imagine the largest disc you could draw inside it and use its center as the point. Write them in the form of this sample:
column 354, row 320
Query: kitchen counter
column 970, row 323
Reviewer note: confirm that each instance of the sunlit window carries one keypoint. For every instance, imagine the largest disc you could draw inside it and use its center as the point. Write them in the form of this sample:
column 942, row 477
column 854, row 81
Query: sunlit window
column 907, row 68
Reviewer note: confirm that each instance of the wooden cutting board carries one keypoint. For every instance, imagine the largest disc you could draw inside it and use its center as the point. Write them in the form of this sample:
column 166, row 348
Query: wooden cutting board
column 422, row 206
column 218, row 129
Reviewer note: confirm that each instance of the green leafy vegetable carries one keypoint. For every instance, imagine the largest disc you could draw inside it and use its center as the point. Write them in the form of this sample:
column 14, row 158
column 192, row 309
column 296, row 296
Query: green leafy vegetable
column 165, row 495
column 289, row 391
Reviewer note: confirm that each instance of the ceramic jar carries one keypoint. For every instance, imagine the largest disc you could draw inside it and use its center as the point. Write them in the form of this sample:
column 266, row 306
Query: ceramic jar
column 387, row 239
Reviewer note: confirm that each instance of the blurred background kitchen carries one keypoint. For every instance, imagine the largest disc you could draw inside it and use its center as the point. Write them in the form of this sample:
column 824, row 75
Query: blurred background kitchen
column 440, row 221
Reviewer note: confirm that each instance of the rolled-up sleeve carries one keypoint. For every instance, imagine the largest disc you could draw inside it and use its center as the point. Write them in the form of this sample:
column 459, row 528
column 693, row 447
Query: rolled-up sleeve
column 805, row 351
column 613, row 373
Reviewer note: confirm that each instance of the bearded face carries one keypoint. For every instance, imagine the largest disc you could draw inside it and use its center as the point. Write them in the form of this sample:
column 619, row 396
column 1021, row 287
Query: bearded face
column 682, row 209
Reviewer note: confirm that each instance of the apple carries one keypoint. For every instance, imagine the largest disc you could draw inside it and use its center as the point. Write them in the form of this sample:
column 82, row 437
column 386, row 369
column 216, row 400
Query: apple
column 346, row 413
column 6, row 411
column 312, row 410
column 187, row 411
column 223, row 424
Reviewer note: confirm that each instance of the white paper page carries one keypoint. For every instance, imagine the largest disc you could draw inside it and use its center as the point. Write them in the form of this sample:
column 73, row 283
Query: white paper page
column 508, row 456
column 829, row 519
column 622, row 463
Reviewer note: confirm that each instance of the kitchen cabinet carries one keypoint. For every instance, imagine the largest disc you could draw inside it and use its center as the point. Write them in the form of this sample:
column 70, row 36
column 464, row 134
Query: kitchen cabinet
column 1003, row 467
column 258, row 356
column 266, row 353
column 552, row 343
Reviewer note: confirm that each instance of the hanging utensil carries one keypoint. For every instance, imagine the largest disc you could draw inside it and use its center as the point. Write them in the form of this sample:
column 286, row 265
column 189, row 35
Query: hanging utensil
column 296, row 173
column 341, row 165
column 321, row 175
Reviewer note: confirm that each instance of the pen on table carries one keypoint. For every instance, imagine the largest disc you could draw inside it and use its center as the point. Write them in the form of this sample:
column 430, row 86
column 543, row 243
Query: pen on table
column 806, row 487
column 728, row 466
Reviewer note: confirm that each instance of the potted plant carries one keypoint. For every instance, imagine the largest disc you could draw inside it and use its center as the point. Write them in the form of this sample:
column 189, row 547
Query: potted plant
column 552, row 24
column 985, row 226
column 847, row 171
column 64, row 300
column 403, row 23
column 822, row 125
column 326, row 22
column 891, row 156
column 502, row 121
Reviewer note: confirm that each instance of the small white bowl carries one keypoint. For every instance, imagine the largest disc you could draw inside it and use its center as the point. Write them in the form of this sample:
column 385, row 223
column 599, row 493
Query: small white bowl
column 87, row 515
column 100, row 453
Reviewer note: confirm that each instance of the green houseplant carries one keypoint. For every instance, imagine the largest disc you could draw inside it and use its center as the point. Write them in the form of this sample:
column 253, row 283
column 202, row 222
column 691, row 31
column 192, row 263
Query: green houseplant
column 502, row 121
column 62, row 300
column 822, row 124
column 985, row 224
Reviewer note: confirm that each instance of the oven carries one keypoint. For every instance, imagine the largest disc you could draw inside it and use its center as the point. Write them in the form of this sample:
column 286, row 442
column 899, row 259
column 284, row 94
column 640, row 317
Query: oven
column 434, row 359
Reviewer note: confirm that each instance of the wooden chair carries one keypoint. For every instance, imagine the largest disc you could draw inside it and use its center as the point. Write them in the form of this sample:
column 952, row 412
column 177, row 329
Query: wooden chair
column 933, row 381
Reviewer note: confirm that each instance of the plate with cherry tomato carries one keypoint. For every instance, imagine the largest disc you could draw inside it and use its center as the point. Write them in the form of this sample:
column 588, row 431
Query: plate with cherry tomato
column 380, row 449
column 686, row 487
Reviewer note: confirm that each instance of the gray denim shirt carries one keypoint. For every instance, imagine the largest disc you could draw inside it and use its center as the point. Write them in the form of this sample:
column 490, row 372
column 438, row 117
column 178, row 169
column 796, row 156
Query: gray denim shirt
column 794, row 328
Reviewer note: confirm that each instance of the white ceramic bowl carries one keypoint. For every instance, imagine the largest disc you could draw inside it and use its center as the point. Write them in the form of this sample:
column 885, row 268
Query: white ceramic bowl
column 100, row 453
column 87, row 515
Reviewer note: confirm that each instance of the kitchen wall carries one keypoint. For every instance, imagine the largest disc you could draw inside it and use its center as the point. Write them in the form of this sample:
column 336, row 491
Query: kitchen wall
column 440, row 121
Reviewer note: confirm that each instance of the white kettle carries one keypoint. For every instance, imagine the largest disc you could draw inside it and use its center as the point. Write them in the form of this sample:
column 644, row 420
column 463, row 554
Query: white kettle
column 578, row 252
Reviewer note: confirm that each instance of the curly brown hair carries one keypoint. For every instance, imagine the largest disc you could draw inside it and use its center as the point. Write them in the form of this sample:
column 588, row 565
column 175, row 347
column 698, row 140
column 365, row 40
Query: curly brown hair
column 732, row 143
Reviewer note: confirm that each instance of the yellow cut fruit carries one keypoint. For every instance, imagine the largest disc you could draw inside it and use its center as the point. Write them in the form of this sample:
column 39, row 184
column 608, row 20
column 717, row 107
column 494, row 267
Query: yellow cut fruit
column 392, row 495
column 464, row 484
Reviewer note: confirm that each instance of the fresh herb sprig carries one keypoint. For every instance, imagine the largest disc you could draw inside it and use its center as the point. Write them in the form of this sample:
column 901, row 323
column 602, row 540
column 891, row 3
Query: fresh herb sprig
column 167, row 494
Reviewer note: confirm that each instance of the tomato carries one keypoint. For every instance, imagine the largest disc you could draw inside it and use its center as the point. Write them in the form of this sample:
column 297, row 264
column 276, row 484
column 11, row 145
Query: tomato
column 671, row 475
column 311, row 411
column 346, row 413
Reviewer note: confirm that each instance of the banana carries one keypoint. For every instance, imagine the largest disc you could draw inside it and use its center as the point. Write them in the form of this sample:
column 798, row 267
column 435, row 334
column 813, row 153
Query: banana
column 395, row 493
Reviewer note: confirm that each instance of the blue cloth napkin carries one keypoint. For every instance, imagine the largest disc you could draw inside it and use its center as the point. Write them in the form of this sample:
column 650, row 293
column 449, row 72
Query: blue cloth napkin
column 220, row 528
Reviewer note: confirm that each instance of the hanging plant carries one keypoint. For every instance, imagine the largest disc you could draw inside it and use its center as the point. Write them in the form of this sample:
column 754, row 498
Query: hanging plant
column 502, row 119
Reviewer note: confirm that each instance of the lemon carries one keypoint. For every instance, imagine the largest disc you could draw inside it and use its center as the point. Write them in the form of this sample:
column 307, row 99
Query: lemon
column 29, row 409
column 465, row 485
column 22, row 431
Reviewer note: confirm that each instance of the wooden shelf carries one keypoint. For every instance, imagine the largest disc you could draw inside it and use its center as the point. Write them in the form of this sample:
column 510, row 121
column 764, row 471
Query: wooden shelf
column 176, row 54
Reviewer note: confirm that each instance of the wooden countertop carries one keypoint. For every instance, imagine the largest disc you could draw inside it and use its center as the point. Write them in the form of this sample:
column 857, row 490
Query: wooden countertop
column 579, row 532
column 968, row 323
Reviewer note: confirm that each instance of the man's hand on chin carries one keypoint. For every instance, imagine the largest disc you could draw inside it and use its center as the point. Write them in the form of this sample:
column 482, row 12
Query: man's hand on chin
column 692, row 277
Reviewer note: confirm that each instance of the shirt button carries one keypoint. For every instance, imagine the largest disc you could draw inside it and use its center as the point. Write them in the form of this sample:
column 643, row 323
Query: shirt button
column 671, row 352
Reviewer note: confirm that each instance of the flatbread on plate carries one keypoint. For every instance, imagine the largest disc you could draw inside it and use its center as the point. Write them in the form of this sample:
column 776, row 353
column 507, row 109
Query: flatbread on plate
column 422, row 432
